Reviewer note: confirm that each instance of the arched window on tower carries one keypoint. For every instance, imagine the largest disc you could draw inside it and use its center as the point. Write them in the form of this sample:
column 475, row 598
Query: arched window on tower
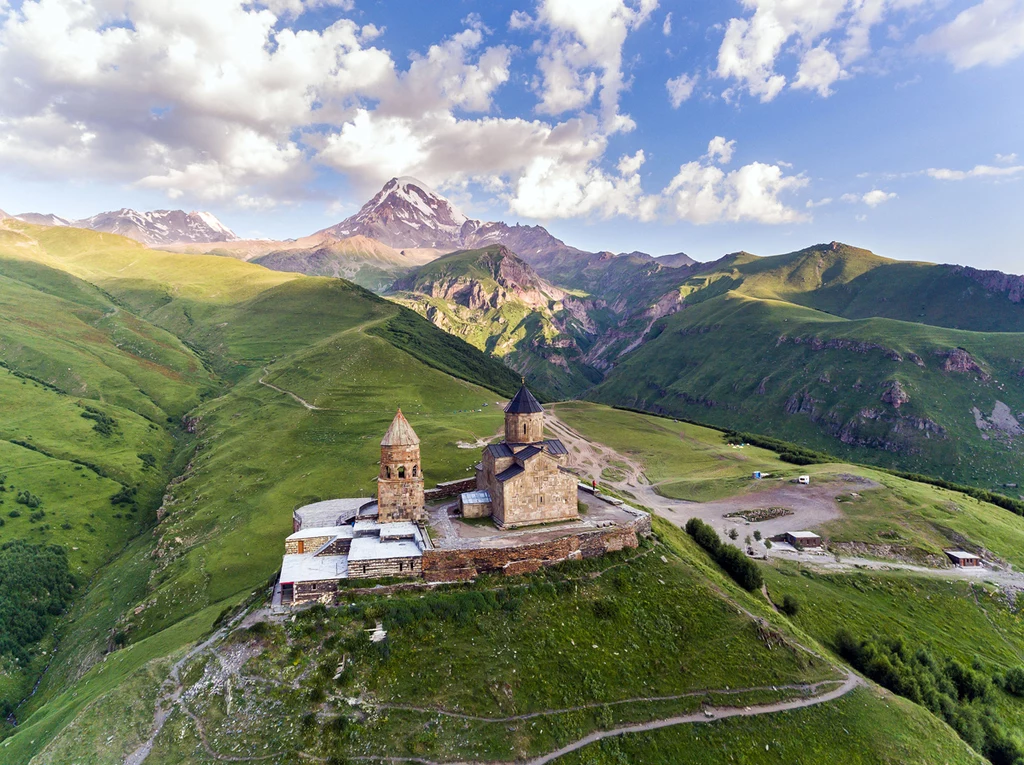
column 388, row 471
column 524, row 428
column 401, row 472
column 414, row 471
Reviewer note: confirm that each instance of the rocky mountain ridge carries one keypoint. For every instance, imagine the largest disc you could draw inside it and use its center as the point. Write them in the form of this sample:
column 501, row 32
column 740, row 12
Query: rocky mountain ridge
column 154, row 227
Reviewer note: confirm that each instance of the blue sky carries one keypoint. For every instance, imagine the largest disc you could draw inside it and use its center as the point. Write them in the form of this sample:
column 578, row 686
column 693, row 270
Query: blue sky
column 894, row 125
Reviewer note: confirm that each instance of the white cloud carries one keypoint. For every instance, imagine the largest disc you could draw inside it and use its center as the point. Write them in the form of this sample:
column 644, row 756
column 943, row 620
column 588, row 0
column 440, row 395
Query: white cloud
column 582, row 55
column 819, row 69
column 666, row 25
column 552, row 188
column 1006, row 159
column 811, row 204
column 680, row 89
column 875, row 197
column 752, row 45
column 520, row 20
column 991, row 32
column 978, row 171
column 720, row 150
column 174, row 89
column 872, row 198
column 703, row 193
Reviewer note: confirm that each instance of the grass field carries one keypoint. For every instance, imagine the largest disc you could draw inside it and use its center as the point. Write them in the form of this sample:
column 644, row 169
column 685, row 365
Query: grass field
column 151, row 337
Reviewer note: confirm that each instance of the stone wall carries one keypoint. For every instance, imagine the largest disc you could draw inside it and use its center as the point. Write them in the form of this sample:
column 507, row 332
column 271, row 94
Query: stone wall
column 450, row 489
column 385, row 567
column 542, row 494
column 524, row 428
column 460, row 565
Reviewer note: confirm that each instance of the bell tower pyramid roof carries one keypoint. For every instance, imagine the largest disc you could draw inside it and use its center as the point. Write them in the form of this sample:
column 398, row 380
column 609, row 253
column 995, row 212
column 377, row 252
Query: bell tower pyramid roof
column 400, row 433
column 523, row 403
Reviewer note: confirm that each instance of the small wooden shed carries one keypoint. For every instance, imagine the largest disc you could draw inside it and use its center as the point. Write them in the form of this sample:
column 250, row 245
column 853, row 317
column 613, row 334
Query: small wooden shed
column 964, row 559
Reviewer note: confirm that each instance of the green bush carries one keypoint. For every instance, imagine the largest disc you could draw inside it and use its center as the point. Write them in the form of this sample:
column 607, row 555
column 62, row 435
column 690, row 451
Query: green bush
column 790, row 605
column 950, row 690
column 732, row 560
column 102, row 423
column 27, row 498
column 1013, row 681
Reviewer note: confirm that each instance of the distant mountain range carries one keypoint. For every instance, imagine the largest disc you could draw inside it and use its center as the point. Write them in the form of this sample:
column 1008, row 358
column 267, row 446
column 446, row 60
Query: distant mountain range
column 157, row 227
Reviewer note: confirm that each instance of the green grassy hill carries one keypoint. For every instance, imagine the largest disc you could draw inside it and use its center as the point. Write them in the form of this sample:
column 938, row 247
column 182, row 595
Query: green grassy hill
column 127, row 367
column 892, row 393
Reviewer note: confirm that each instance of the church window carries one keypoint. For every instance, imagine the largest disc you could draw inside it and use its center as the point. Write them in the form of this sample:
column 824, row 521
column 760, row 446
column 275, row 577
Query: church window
column 414, row 471
column 524, row 428
column 388, row 469
column 401, row 472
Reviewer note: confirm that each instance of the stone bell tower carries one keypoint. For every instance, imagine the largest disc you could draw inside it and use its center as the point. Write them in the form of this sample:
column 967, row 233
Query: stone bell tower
column 524, row 419
column 400, row 484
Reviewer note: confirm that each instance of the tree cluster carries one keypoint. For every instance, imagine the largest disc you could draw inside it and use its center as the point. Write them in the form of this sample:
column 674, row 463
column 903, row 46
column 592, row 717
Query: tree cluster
column 732, row 560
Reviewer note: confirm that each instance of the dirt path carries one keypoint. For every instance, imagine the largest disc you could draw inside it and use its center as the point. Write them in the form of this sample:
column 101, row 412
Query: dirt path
column 288, row 393
column 811, row 506
column 708, row 715
column 172, row 689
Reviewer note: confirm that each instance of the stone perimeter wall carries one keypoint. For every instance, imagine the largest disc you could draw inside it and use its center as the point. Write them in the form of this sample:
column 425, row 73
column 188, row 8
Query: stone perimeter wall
column 462, row 565
column 450, row 489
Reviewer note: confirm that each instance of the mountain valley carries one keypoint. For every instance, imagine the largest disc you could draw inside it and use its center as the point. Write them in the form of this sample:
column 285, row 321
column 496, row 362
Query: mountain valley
column 158, row 435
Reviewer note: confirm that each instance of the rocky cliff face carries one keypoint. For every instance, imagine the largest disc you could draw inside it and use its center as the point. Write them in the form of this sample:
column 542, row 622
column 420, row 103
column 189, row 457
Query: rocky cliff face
column 995, row 281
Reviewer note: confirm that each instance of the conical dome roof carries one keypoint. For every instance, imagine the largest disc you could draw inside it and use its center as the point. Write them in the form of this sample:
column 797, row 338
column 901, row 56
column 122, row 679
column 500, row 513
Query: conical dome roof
column 400, row 433
column 523, row 403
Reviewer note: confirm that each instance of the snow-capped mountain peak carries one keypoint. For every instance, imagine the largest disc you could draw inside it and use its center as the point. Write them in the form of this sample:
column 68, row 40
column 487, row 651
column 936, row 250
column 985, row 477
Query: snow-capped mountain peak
column 405, row 213
column 160, row 226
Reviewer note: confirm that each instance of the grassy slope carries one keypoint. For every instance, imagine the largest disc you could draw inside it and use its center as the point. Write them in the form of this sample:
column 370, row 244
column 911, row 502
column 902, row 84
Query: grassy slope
column 665, row 629
column 695, row 463
column 957, row 619
column 690, row 369
column 223, row 535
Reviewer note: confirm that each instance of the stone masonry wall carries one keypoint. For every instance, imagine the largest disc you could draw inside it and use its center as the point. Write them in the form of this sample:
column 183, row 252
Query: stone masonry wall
column 459, row 565
column 542, row 494
column 450, row 489
column 524, row 428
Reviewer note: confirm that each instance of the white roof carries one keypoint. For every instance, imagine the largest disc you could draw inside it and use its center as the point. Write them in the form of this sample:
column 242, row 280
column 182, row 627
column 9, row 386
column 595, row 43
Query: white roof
column 476, row 498
column 399, row 530
column 330, row 512
column 323, row 531
column 373, row 548
column 963, row 554
column 803, row 534
column 310, row 568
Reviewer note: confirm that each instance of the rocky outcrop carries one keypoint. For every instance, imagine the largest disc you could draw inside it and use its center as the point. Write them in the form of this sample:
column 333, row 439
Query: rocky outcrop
column 894, row 394
column 836, row 343
column 959, row 360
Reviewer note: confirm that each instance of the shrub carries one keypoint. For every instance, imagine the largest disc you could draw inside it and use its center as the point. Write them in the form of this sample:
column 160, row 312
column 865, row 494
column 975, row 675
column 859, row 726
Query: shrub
column 757, row 535
column 147, row 459
column 14, row 514
column 790, row 605
column 27, row 498
column 733, row 534
column 102, row 423
column 737, row 565
column 605, row 609
column 1013, row 681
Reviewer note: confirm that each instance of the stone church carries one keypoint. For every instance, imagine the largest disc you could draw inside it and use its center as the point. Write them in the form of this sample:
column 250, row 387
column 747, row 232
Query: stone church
column 523, row 480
